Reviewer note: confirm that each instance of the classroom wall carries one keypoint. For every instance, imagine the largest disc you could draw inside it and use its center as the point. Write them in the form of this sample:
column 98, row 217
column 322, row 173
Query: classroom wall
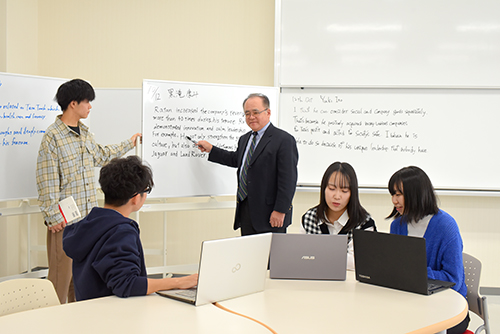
column 218, row 41
column 116, row 43
column 3, row 34
column 19, row 23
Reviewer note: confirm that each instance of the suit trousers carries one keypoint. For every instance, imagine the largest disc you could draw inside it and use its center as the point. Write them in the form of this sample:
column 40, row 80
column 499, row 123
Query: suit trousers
column 60, row 268
column 245, row 221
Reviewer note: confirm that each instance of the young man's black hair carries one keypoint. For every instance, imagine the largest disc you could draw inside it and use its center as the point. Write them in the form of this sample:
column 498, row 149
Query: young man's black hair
column 122, row 179
column 74, row 90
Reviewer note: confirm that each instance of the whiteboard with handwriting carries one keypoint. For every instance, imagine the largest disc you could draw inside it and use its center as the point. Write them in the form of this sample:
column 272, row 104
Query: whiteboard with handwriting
column 27, row 108
column 213, row 112
column 452, row 134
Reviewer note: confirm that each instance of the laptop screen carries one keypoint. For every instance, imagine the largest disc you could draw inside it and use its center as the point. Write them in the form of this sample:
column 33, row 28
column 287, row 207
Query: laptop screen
column 308, row 256
column 390, row 260
column 229, row 268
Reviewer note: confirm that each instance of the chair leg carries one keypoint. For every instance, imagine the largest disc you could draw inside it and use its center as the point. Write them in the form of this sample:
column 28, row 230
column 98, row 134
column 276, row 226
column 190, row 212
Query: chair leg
column 480, row 329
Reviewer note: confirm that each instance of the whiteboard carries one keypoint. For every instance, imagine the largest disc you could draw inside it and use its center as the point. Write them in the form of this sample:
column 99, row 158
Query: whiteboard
column 388, row 43
column 212, row 112
column 116, row 114
column 27, row 108
column 452, row 134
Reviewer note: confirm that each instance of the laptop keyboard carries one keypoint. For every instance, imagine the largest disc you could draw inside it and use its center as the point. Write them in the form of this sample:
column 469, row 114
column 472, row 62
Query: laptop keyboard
column 188, row 293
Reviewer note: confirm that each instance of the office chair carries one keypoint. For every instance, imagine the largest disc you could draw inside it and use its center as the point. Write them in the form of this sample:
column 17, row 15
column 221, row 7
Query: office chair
column 24, row 294
column 477, row 304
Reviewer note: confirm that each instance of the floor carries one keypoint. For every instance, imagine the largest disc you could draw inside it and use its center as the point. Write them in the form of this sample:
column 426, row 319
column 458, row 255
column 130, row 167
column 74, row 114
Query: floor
column 494, row 312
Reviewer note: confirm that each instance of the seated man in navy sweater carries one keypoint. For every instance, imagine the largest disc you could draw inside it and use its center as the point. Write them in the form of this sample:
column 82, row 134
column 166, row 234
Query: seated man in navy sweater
column 107, row 253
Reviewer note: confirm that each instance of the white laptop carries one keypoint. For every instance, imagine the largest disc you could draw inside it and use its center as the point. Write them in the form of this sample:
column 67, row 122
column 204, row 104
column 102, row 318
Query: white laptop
column 309, row 256
column 228, row 268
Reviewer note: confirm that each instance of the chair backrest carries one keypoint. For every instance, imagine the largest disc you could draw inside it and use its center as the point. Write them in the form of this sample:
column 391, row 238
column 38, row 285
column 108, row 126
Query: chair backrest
column 477, row 303
column 24, row 294
column 472, row 267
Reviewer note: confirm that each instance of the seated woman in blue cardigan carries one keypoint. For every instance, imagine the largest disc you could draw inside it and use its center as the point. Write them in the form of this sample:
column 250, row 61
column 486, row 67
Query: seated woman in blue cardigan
column 416, row 214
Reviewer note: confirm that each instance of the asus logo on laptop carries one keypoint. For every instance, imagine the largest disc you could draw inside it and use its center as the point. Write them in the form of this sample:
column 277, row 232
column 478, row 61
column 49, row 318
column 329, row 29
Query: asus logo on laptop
column 308, row 257
column 364, row 276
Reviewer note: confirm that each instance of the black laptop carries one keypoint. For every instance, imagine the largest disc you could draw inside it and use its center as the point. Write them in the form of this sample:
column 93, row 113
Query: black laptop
column 394, row 261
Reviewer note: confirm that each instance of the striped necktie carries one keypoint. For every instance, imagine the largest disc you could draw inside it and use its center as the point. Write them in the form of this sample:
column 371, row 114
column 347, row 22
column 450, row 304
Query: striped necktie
column 242, row 186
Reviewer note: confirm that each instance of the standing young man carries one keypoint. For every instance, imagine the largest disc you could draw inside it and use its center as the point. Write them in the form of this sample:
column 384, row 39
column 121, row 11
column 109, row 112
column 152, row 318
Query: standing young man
column 266, row 159
column 107, row 253
column 66, row 161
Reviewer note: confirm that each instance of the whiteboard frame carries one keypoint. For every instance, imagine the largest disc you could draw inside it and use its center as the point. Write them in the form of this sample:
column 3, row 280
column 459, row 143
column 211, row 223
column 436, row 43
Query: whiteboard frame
column 435, row 98
column 230, row 181
column 33, row 193
column 277, row 82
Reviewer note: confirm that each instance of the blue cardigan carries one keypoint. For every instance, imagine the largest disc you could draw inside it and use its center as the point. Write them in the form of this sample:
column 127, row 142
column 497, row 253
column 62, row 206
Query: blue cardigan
column 444, row 249
column 107, row 255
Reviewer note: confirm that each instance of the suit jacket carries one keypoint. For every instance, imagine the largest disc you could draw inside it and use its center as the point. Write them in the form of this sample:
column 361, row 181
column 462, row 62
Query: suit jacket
column 271, row 177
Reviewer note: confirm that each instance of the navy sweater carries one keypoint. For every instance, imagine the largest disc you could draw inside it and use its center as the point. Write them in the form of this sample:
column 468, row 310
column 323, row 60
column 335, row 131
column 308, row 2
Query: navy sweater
column 107, row 254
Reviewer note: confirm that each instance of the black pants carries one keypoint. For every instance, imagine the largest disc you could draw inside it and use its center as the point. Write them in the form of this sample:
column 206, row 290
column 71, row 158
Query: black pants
column 245, row 221
column 461, row 327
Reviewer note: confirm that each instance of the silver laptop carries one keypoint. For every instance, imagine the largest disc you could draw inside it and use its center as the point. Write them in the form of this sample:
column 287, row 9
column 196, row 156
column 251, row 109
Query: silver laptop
column 309, row 256
column 228, row 268
column 394, row 261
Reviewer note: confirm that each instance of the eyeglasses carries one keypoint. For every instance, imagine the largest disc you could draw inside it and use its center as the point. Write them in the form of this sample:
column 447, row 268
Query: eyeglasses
column 254, row 113
column 145, row 191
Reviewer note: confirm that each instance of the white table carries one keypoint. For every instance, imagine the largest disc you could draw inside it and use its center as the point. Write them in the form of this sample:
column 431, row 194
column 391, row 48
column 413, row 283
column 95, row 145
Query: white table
column 285, row 306
column 291, row 306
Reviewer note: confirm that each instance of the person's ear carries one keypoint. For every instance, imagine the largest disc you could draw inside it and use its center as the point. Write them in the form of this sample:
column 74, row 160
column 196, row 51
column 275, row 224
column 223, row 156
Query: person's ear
column 73, row 104
column 134, row 200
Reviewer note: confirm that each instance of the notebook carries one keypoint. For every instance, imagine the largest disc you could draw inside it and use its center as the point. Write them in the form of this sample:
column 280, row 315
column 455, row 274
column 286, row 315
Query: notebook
column 394, row 261
column 228, row 268
column 308, row 256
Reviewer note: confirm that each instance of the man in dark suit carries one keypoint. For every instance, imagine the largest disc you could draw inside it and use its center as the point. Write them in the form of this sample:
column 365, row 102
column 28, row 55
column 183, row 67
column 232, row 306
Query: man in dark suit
column 266, row 159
